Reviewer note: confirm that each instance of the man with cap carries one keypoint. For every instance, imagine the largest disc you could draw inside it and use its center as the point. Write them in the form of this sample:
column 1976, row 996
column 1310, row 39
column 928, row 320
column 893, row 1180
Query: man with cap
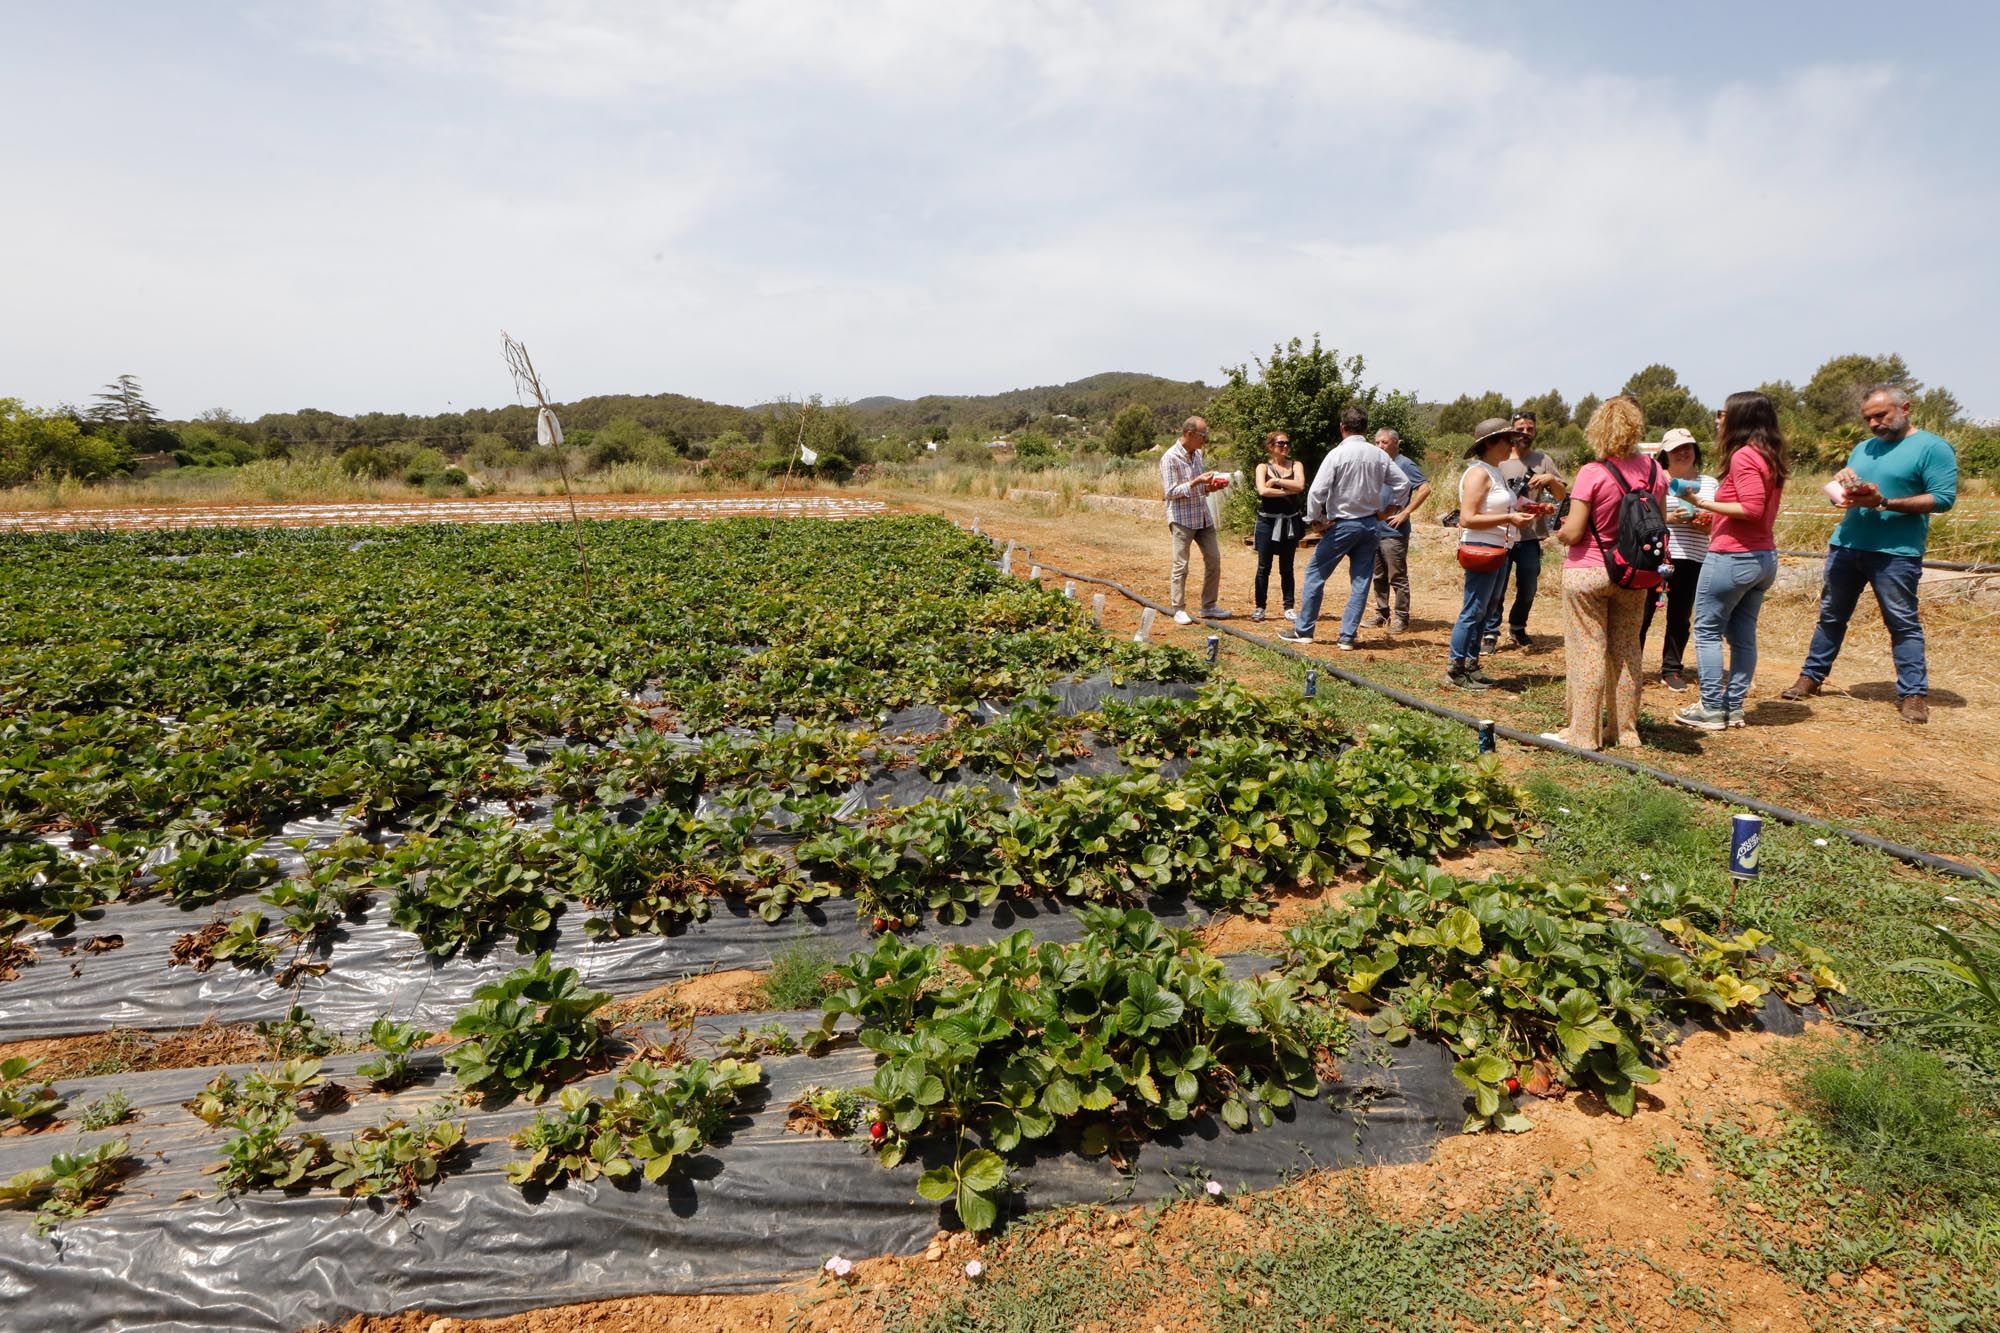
column 1357, row 485
column 1531, row 475
column 1687, row 547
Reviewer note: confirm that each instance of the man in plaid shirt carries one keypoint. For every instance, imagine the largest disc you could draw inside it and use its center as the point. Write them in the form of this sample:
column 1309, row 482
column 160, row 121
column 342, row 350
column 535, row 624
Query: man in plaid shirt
column 1186, row 484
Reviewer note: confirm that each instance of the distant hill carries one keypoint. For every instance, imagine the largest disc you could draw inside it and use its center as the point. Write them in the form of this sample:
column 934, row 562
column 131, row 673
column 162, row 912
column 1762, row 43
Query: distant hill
column 1081, row 406
column 1092, row 401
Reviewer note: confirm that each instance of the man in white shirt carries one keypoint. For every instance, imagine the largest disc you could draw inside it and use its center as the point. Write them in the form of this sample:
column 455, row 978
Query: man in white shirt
column 1357, row 486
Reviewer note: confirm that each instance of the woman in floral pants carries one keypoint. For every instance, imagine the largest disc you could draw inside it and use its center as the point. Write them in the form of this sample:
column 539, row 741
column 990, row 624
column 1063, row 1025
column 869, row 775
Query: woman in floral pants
column 1602, row 621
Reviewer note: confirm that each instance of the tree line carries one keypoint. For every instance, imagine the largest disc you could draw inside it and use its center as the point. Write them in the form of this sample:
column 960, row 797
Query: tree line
column 1300, row 388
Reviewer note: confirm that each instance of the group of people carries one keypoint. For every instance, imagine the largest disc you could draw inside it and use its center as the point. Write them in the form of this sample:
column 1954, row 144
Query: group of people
column 1647, row 535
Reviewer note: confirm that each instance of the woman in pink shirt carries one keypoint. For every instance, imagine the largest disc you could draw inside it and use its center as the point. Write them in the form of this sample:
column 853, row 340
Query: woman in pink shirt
column 1601, row 638
column 1742, row 560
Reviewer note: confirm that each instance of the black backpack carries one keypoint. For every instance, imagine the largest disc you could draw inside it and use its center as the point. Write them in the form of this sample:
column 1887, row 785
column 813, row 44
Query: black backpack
column 1634, row 560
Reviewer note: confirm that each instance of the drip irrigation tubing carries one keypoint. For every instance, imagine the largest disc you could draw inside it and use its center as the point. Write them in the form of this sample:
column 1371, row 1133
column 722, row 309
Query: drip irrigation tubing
column 1955, row 566
column 1909, row 855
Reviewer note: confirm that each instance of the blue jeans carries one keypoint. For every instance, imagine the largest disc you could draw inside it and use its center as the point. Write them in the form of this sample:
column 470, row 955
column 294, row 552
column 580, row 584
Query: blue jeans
column 1526, row 557
column 1356, row 539
column 1894, row 578
column 1480, row 589
column 1726, row 603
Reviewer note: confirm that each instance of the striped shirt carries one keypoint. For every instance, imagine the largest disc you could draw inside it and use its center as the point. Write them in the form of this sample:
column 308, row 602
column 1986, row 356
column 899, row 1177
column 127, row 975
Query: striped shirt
column 1688, row 541
column 1185, row 505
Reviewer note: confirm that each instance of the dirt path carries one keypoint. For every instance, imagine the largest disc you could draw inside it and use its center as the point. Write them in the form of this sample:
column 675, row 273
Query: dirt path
column 1845, row 755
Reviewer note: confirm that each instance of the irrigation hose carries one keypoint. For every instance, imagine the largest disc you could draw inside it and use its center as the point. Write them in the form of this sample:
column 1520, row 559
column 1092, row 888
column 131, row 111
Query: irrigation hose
column 1909, row 855
column 1955, row 566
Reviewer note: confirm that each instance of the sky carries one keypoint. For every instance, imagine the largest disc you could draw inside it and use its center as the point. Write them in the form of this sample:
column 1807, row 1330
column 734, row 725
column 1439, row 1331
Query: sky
column 340, row 203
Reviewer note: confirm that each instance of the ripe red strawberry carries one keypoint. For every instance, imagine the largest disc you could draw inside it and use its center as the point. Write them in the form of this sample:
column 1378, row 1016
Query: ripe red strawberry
column 1513, row 1085
column 878, row 1131
column 881, row 924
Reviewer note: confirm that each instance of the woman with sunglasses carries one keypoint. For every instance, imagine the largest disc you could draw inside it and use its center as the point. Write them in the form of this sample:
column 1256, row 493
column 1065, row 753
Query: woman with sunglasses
column 1281, row 523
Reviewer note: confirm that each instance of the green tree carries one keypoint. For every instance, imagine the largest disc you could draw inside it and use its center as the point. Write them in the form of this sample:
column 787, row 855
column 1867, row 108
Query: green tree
column 1667, row 402
column 52, row 444
column 1832, row 397
column 829, row 432
column 123, row 404
column 1462, row 413
column 1300, row 390
column 1586, row 407
column 1131, row 431
column 1551, row 412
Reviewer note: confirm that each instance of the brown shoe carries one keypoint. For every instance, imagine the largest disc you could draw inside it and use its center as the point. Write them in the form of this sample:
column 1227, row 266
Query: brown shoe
column 1805, row 687
column 1916, row 708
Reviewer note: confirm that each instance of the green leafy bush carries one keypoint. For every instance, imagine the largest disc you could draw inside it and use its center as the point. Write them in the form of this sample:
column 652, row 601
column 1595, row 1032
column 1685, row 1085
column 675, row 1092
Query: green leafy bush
column 526, row 1032
column 1526, row 978
column 655, row 1118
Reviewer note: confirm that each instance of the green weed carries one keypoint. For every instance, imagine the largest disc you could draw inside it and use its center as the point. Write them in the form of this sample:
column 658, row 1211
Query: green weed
column 801, row 976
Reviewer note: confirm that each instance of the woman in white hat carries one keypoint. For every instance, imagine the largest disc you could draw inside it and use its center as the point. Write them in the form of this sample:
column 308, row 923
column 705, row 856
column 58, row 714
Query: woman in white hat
column 1488, row 522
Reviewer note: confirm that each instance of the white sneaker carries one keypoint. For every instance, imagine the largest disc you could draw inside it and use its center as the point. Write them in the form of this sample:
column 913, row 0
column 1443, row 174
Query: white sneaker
column 1291, row 614
column 1183, row 618
column 1258, row 615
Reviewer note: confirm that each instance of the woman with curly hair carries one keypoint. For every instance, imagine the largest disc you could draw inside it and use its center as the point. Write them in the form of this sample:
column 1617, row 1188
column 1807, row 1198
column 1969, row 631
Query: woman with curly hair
column 1602, row 620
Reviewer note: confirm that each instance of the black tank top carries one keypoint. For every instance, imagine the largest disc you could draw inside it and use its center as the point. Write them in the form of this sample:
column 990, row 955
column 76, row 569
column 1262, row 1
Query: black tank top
column 1275, row 505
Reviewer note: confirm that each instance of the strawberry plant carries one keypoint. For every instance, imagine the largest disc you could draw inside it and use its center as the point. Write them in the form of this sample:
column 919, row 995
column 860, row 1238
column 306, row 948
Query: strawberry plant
column 204, row 864
column 532, row 1029
column 244, row 942
column 396, row 1041
column 396, row 1159
column 467, row 891
column 23, row 1100
column 263, row 1093
column 653, row 1119
column 71, row 1185
column 41, row 888
column 1129, row 1031
column 1521, row 978
column 262, row 1155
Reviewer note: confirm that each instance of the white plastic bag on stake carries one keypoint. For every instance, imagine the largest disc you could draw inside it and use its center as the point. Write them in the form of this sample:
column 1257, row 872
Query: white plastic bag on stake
column 807, row 456
column 548, row 431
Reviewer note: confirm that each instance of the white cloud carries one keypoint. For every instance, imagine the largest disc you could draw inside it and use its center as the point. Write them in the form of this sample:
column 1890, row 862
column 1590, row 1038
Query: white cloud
column 741, row 199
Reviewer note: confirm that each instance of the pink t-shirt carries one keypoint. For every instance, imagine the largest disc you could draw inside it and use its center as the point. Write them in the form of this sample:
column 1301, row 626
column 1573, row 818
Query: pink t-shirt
column 1750, row 484
column 1595, row 487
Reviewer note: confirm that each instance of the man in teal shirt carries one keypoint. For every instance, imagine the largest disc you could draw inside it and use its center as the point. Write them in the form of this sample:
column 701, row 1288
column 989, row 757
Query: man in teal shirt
column 1891, row 486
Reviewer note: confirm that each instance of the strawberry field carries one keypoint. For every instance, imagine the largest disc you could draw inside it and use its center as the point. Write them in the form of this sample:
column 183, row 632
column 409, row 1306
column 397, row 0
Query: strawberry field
column 415, row 824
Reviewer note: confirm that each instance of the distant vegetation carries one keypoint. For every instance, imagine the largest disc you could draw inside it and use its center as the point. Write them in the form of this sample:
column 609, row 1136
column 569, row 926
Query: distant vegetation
column 654, row 436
